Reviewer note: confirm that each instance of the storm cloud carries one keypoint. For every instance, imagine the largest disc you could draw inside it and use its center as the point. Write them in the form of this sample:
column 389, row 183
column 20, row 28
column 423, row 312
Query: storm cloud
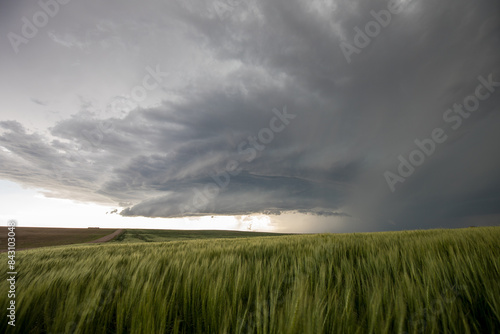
column 259, row 108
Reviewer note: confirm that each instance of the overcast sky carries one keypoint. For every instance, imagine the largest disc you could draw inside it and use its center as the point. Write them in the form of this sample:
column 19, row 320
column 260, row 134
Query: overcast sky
column 285, row 115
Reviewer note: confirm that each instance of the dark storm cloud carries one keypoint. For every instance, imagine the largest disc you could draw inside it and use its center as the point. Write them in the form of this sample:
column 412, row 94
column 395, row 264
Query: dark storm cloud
column 246, row 194
column 352, row 120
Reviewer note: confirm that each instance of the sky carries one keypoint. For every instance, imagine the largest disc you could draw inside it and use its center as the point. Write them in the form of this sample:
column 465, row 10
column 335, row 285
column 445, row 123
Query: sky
column 286, row 116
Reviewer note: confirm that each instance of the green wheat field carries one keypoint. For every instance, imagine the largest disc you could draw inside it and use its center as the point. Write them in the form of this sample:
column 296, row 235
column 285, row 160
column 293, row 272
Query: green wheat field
column 435, row 281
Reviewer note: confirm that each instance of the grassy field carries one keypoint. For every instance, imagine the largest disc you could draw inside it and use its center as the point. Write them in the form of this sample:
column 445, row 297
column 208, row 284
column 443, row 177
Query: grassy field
column 35, row 237
column 436, row 281
column 134, row 236
column 32, row 237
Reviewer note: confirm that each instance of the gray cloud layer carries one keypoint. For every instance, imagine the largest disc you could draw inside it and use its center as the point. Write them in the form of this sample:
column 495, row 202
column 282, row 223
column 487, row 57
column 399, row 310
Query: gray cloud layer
column 191, row 155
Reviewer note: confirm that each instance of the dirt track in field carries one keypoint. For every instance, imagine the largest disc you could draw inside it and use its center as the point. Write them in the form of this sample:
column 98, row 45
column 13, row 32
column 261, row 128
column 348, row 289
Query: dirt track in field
column 36, row 237
column 108, row 237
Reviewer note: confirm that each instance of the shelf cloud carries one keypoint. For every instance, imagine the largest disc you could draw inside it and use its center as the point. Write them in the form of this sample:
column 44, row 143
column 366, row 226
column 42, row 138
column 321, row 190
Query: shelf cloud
column 253, row 107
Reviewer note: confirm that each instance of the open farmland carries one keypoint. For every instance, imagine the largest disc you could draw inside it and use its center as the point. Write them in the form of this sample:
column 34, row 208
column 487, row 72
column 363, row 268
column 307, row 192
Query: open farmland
column 131, row 236
column 34, row 237
column 432, row 281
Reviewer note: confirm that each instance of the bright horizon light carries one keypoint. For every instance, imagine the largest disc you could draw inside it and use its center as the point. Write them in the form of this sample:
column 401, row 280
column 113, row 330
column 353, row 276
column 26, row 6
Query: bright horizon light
column 55, row 212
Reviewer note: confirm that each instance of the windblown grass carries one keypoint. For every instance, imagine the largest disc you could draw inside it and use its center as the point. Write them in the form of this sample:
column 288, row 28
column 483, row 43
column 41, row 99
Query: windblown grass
column 438, row 281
